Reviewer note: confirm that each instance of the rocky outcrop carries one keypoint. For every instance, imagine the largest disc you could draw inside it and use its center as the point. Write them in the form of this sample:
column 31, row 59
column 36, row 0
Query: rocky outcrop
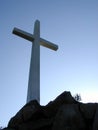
column 64, row 113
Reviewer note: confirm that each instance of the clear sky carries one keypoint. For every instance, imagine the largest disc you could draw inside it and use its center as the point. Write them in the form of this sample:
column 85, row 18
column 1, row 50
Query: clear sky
column 73, row 26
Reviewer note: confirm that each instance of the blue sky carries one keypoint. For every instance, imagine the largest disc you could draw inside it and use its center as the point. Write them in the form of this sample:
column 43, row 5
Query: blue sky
column 73, row 26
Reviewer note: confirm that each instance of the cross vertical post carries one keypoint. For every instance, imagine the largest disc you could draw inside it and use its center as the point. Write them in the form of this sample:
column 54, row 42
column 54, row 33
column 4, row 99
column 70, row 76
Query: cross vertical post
column 34, row 73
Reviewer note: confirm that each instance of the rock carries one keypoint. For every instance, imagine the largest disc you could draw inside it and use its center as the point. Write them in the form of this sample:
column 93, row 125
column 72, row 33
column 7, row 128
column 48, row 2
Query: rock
column 39, row 124
column 64, row 113
column 88, row 110
column 69, row 117
column 33, row 112
column 95, row 120
column 8, row 129
column 24, row 114
column 64, row 98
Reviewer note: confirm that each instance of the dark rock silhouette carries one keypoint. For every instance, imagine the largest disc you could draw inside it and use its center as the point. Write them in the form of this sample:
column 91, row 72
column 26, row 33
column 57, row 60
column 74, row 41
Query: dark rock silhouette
column 64, row 113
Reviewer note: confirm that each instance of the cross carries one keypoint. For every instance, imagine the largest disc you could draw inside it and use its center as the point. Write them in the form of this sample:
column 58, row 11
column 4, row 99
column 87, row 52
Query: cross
column 34, row 72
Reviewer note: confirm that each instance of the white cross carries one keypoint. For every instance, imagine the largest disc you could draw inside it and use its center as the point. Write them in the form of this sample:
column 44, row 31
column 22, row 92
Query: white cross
column 34, row 73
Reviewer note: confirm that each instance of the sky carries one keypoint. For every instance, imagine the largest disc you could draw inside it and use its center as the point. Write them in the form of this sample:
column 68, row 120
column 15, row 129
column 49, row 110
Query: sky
column 73, row 26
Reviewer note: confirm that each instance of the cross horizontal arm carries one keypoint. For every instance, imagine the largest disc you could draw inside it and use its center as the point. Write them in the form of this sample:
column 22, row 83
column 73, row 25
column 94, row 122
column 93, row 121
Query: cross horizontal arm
column 48, row 44
column 23, row 34
column 30, row 37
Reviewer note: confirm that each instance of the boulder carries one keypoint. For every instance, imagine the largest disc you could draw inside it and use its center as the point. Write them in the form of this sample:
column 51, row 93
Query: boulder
column 95, row 120
column 88, row 110
column 69, row 117
column 33, row 115
column 63, row 113
column 52, row 107
column 24, row 114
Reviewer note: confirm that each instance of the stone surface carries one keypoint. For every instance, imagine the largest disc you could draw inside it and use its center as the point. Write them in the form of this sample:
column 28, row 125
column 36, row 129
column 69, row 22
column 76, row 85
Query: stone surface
column 64, row 113
column 24, row 114
column 8, row 129
column 95, row 120
column 88, row 110
column 69, row 117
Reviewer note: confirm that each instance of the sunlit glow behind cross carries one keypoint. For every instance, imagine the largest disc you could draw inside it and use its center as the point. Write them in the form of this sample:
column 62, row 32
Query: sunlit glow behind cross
column 34, row 73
